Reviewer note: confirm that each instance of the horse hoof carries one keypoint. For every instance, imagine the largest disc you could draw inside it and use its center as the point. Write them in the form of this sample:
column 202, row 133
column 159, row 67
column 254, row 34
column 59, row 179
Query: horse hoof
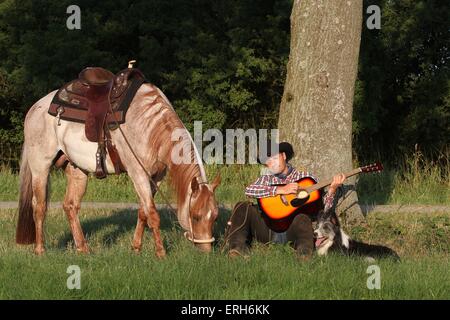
column 136, row 246
column 161, row 254
column 39, row 251
column 136, row 250
column 84, row 250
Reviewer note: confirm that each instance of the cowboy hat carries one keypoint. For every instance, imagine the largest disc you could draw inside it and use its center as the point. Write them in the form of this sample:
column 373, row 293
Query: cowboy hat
column 273, row 148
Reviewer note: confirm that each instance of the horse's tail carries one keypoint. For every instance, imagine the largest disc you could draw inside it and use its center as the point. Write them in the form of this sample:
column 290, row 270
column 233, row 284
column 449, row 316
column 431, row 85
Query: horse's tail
column 26, row 232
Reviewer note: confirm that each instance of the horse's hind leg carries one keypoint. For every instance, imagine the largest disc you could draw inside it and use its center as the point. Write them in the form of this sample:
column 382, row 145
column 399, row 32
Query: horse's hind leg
column 34, row 171
column 39, row 151
column 40, row 192
column 33, row 199
column 76, row 187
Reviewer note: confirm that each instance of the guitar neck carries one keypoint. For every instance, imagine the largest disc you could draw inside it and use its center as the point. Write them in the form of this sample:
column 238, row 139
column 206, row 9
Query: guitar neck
column 327, row 182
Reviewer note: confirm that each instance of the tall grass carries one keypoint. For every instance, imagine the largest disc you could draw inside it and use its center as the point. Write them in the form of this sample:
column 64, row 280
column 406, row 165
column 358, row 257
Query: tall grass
column 414, row 180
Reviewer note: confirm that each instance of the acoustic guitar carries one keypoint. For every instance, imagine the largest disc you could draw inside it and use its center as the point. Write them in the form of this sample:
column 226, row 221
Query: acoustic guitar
column 279, row 211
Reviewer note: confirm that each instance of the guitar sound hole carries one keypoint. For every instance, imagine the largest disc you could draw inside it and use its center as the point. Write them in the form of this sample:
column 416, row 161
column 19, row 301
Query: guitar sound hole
column 302, row 194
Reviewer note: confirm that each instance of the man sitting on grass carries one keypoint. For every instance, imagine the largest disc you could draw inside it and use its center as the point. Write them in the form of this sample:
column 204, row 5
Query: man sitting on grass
column 246, row 225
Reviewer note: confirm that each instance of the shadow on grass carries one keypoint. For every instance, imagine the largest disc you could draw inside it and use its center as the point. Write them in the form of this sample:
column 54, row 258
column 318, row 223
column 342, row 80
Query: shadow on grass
column 121, row 222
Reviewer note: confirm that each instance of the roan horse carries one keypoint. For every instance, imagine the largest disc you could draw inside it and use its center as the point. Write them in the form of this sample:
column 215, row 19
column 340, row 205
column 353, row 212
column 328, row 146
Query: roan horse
column 151, row 120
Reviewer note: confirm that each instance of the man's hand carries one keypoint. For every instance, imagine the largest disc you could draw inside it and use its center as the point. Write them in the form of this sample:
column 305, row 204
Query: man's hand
column 337, row 182
column 287, row 189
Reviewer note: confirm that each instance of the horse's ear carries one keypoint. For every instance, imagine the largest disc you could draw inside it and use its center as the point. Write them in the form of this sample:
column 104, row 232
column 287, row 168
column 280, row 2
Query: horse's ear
column 216, row 182
column 194, row 185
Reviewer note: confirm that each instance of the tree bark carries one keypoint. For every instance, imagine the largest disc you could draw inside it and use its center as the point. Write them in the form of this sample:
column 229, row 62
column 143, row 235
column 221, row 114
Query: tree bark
column 317, row 104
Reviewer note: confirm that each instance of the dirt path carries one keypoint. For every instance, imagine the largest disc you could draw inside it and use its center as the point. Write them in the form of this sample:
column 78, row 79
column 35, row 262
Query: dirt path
column 366, row 208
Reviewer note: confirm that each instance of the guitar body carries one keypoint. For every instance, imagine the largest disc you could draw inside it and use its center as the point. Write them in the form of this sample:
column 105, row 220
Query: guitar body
column 278, row 213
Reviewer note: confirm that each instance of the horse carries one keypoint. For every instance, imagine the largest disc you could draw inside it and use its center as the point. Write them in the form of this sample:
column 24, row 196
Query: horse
column 146, row 149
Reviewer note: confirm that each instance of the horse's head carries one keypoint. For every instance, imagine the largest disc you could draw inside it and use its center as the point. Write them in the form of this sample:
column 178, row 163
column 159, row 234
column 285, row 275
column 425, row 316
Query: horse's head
column 203, row 212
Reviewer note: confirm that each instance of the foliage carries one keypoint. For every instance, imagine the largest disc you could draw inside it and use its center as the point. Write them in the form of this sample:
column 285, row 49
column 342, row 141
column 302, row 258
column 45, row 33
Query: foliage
column 403, row 92
column 224, row 62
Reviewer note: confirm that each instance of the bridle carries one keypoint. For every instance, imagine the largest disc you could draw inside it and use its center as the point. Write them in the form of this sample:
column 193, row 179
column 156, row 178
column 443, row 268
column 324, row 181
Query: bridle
column 190, row 234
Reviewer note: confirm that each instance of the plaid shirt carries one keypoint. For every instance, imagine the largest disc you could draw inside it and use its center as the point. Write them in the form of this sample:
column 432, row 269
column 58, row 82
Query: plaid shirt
column 264, row 186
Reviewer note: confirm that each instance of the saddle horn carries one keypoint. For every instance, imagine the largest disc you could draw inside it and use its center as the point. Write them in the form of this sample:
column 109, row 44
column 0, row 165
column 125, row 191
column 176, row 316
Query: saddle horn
column 130, row 64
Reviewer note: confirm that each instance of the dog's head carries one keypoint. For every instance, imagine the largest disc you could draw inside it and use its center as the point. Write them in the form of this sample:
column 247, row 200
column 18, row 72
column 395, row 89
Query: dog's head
column 328, row 232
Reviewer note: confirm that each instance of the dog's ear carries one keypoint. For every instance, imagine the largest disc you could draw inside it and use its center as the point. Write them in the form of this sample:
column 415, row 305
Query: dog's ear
column 321, row 215
column 334, row 219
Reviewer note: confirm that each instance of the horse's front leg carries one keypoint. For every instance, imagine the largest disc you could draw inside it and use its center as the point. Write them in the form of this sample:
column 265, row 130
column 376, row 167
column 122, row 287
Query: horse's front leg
column 153, row 221
column 76, row 187
column 142, row 218
column 146, row 214
column 139, row 231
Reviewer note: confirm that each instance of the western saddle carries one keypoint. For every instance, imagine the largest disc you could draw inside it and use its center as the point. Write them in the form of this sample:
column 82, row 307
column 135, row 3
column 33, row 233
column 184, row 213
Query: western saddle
column 100, row 100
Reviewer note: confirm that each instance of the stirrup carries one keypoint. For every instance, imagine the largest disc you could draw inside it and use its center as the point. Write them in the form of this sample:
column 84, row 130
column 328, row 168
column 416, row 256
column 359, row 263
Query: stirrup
column 100, row 163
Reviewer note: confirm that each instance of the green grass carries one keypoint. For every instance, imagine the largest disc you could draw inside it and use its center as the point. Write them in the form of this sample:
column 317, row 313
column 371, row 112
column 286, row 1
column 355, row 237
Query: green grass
column 120, row 188
column 416, row 182
column 113, row 271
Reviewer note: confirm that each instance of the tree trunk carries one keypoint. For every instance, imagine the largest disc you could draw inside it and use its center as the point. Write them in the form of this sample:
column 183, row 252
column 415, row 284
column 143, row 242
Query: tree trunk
column 316, row 109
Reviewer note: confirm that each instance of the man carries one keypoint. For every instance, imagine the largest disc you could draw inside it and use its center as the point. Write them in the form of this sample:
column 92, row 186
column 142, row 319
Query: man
column 247, row 223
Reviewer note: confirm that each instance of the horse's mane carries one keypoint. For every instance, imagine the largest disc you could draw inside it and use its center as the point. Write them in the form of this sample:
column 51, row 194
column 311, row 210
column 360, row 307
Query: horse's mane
column 163, row 121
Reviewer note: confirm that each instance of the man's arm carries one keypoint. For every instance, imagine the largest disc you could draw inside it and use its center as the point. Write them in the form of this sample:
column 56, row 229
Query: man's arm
column 328, row 199
column 261, row 188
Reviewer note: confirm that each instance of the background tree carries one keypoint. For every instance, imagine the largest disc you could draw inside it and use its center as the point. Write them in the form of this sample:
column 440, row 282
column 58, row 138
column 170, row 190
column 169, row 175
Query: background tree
column 224, row 62
column 317, row 106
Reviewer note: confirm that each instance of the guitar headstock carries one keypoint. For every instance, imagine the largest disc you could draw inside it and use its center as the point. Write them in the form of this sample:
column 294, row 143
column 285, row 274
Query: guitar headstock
column 374, row 167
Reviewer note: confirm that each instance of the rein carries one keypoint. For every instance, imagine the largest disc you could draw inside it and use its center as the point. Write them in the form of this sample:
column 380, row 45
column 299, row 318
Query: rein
column 188, row 236
column 229, row 224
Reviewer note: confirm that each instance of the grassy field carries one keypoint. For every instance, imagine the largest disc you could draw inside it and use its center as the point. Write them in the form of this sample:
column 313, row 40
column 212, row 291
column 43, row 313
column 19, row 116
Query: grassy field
column 415, row 182
column 113, row 271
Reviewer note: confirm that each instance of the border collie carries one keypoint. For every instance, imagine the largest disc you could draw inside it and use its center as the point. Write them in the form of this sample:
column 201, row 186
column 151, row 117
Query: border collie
column 330, row 236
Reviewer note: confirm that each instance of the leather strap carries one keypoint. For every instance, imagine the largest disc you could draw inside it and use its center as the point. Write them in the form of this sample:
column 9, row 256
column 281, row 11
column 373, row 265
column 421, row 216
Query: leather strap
column 113, row 154
column 100, row 171
column 79, row 115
